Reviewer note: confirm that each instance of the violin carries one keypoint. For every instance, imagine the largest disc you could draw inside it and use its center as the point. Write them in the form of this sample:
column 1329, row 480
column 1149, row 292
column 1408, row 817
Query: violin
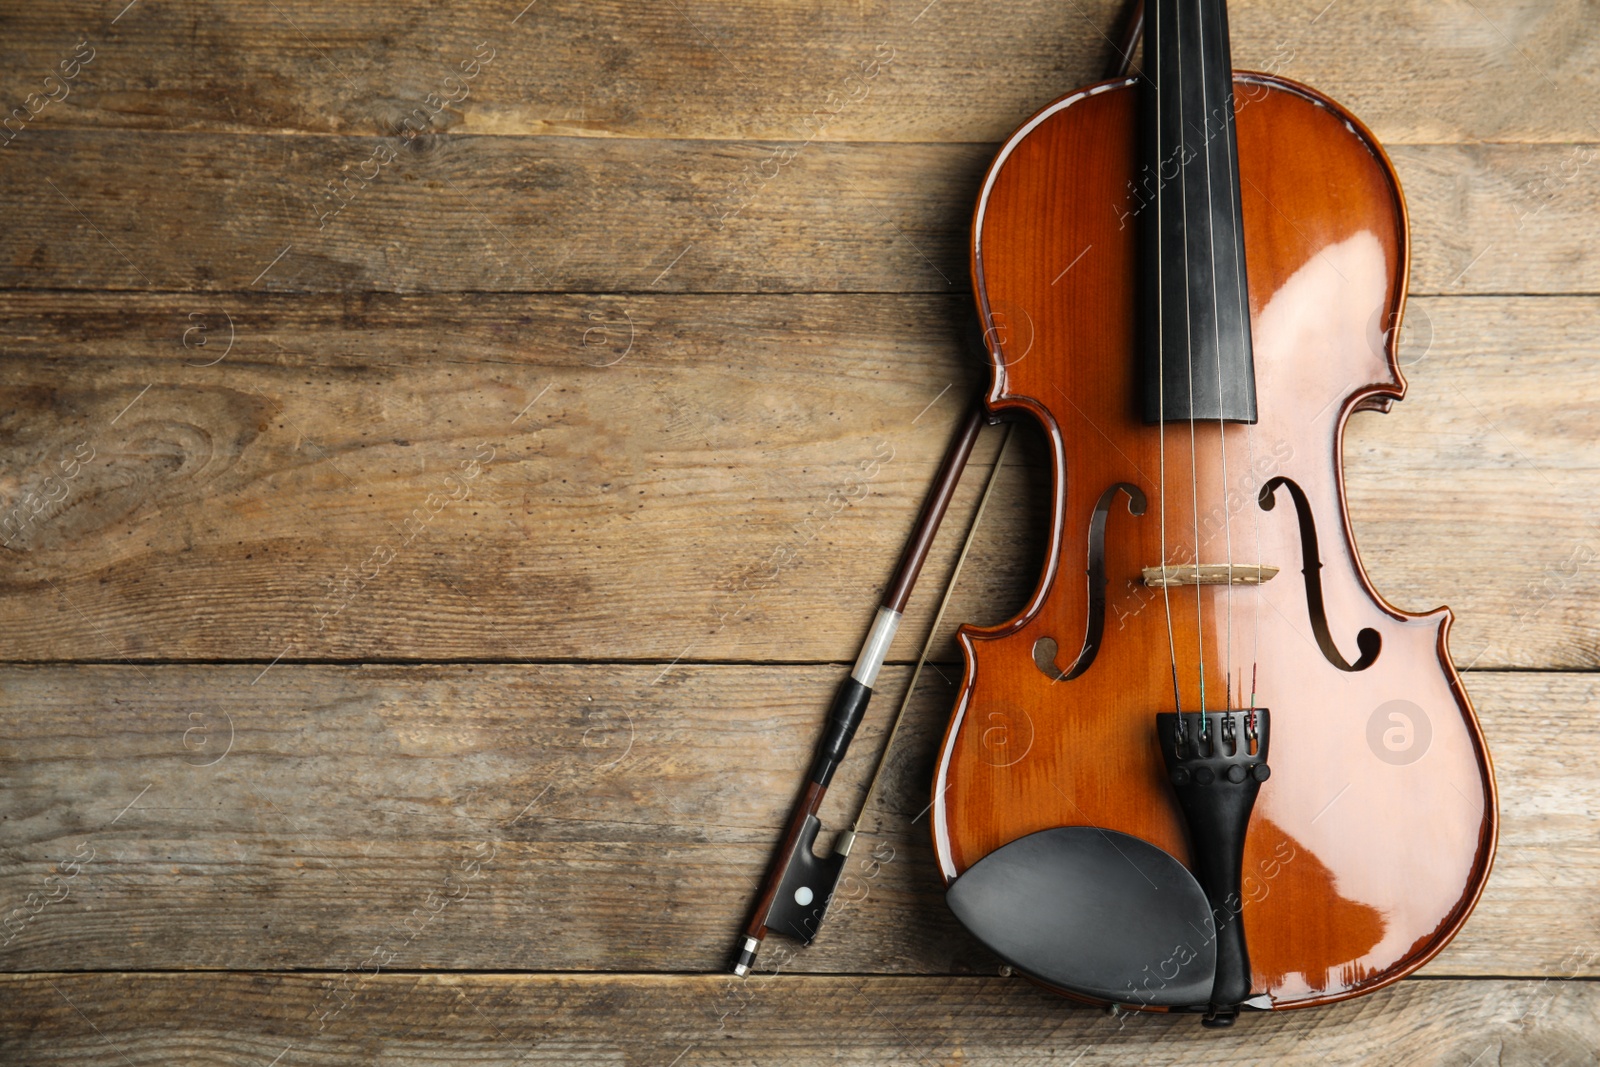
column 1207, row 768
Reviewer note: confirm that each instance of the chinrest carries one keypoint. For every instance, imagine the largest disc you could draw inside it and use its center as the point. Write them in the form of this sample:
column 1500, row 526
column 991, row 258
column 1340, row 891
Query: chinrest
column 1093, row 912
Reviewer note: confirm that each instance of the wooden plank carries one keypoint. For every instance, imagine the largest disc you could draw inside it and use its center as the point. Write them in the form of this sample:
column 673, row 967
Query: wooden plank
column 130, row 1020
column 95, row 209
column 735, row 485
column 955, row 71
column 481, row 213
column 558, row 818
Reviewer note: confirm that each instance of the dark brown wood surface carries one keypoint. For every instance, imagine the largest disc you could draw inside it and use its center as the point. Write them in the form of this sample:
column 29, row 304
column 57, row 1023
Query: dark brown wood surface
column 396, row 666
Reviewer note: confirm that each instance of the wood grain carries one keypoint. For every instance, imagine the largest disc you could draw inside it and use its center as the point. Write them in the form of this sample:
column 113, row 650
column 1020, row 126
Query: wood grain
column 563, row 818
column 416, row 1020
column 757, row 69
column 722, row 479
column 99, row 209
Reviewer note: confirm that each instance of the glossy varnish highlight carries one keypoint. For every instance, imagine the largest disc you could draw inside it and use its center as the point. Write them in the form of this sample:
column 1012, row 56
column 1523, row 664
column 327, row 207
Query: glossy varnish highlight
column 1373, row 838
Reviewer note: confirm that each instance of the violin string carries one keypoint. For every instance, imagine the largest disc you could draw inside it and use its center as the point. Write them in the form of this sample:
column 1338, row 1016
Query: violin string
column 1245, row 368
column 1260, row 591
column 1188, row 295
column 1216, row 332
column 1161, row 381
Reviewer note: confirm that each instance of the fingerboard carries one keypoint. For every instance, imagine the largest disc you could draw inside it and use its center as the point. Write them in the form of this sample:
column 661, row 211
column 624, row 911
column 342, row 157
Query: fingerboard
column 1194, row 301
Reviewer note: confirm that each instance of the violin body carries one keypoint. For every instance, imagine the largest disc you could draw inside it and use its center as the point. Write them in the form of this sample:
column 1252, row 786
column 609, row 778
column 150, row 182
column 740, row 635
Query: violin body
column 1373, row 837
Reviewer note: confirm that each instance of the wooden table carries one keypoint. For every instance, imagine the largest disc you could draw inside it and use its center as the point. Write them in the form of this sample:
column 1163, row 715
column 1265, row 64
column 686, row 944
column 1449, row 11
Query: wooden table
column 424, row 436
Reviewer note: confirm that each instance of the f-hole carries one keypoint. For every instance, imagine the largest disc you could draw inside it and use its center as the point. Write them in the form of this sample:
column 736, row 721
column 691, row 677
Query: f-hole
column 1045, row 649
column 1369, row 641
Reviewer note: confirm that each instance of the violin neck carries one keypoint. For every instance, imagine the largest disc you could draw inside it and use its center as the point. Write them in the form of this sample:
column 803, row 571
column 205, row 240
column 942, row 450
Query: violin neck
column 1195, row 305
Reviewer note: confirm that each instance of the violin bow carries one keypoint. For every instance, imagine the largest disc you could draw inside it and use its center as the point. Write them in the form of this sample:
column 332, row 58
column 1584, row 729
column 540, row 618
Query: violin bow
column 799, row 885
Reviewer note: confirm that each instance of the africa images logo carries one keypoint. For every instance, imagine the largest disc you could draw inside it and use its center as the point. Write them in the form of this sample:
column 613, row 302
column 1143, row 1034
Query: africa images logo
column 1399, row 732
